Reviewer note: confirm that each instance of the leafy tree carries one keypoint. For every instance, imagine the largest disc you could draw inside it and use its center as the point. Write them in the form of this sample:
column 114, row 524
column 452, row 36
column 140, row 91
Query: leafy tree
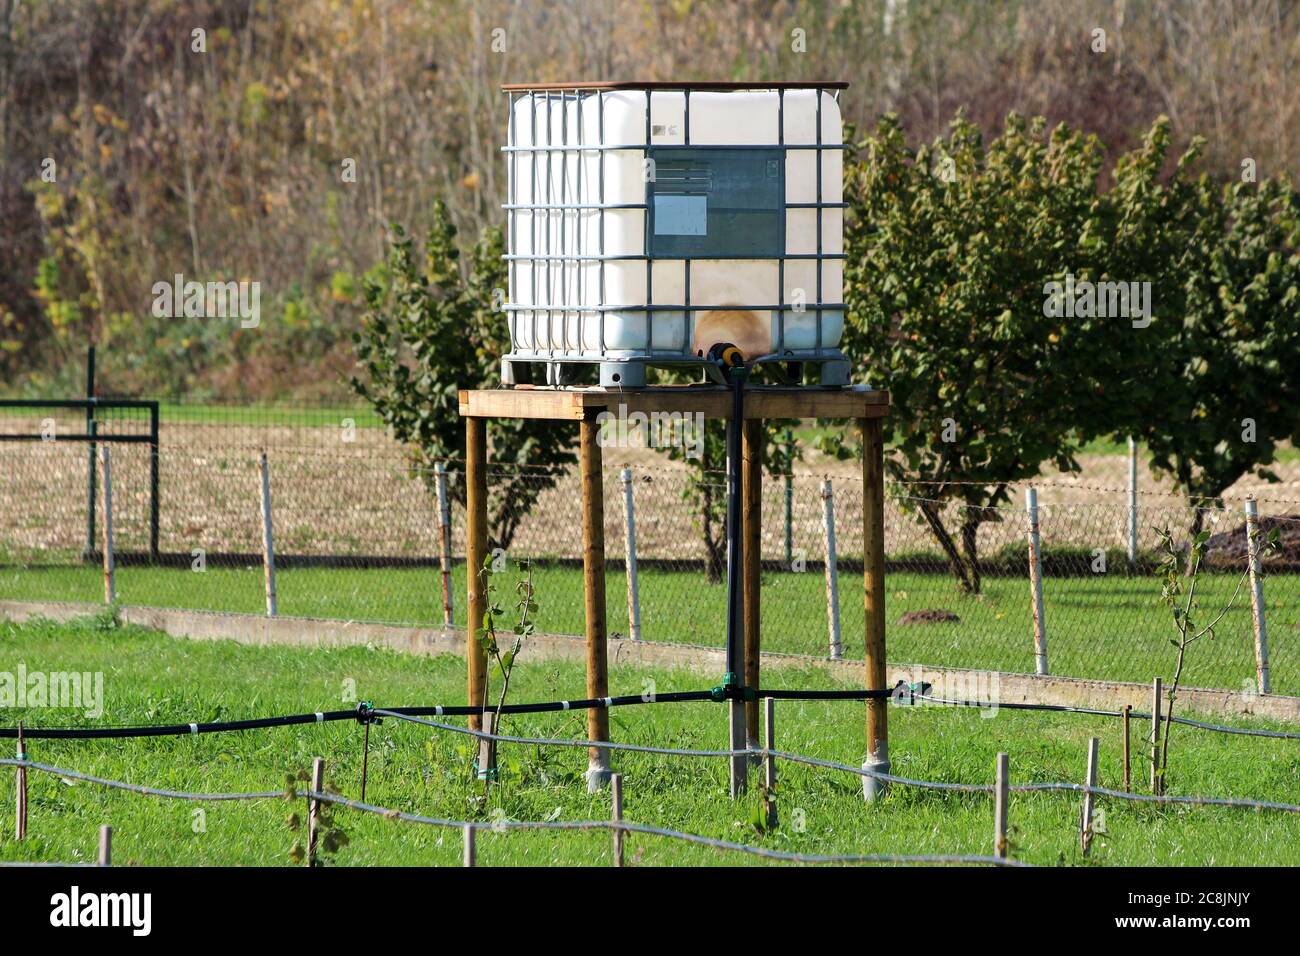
column 950, row 248
column 706, row 484
column 431, row 329
column 1217, row 390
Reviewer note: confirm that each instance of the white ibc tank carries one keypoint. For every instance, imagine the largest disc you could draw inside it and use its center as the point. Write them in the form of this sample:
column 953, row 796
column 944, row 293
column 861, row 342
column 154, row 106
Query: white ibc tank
column 728, row 226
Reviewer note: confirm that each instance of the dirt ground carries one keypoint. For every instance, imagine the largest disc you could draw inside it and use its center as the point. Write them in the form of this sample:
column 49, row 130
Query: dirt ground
column 340, row 491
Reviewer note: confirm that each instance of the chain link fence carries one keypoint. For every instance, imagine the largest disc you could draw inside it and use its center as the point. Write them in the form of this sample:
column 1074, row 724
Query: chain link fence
column 357, row 535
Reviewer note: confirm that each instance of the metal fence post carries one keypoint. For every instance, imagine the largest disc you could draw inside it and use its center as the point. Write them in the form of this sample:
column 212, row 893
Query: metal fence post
column 1132, row 503
column 832, row 571
column 1036, row 583
column 629, row 555
column 444, row 542
column 268, row 547
column 110, row 583
column 1257, row 597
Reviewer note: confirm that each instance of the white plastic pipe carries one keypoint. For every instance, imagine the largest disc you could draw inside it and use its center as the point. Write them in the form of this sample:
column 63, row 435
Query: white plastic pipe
column 268, row 548
column 1036, row 583
column 832, row 571
column 444, row 542
column 629, row 538
column 1132, row 503
column 1257, row 597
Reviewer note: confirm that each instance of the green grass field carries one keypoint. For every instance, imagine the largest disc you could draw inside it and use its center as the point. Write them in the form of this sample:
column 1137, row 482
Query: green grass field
column 150, row 678
column 1105, row 627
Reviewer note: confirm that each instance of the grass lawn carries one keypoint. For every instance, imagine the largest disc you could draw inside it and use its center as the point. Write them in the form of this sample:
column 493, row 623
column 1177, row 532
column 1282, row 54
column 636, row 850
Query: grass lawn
column 150, row 678
column 1105, row 627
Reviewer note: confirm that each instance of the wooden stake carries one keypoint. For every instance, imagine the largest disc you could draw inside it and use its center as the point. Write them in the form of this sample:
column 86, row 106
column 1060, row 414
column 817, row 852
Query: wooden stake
column 616, row 797
column 769, row 761
column 268, row 545
column 444, row 542
column 1036, row 582
column 1128, row 708
column 1085, row 827
column 105, row 846
column 1257, row 597
column 1000, row 795
column 467, row 834
column 832, row 571
column 1156, row 787
column 475, row 554
column 313, row 808
column 593, row 585
column 752, row 437
column 873, row 574
column 20, row 795
column 629, row 559
column 110, row 582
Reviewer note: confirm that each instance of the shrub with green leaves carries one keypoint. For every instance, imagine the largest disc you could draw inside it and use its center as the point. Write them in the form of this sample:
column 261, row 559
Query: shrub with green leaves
column 432, row 328
column 949, row 250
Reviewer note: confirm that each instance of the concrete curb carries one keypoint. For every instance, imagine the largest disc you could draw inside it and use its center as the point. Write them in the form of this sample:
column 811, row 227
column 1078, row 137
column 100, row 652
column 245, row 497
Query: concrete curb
column 958, row 683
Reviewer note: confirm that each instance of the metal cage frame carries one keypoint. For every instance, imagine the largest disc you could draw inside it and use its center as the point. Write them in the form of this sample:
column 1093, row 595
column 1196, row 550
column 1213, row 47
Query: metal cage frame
column 628, row 368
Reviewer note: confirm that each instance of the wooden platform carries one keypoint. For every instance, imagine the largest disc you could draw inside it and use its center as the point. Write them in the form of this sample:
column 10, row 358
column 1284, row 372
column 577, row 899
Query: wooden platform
column 713, row 401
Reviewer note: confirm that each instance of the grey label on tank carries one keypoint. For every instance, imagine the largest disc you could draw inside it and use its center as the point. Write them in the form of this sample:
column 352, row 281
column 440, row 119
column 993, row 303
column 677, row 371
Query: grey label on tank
column 681, row 215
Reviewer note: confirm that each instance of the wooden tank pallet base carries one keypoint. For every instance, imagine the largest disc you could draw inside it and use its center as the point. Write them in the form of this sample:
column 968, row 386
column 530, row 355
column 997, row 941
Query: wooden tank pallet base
column 832, row 371
column 589, row 407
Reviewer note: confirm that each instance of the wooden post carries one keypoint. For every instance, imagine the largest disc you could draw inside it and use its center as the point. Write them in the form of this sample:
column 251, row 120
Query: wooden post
column 444, row 542
column 616, row 798
column 105, row 846
column 20, row 793
column 313, row 808
column 1036, row 583
column 268, row 546
column 1085, row 827
column 752, row 437
column 1257, row 597
column 593, row 585
column 1128, row 709
column 873, row 573
column 467, row 834
column 1000, row 795
column 110, row 582
column 769, row 761
column 629, row 559
column 475, row 554
column 832, row 571
column 1155, row 737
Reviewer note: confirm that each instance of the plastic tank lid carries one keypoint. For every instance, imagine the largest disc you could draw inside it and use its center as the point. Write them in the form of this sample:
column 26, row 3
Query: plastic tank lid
column 703, row 85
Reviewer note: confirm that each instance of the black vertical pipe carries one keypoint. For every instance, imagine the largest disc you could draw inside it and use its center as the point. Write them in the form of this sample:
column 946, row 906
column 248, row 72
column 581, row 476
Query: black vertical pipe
column 735, row 609
column 153, row 481
column 89, row 554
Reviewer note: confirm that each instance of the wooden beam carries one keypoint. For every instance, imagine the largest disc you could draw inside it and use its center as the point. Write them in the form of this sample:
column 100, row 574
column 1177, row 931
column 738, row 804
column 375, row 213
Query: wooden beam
column 761, row 402
column 593, row 586
column 752, row 437
column 475, row 552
